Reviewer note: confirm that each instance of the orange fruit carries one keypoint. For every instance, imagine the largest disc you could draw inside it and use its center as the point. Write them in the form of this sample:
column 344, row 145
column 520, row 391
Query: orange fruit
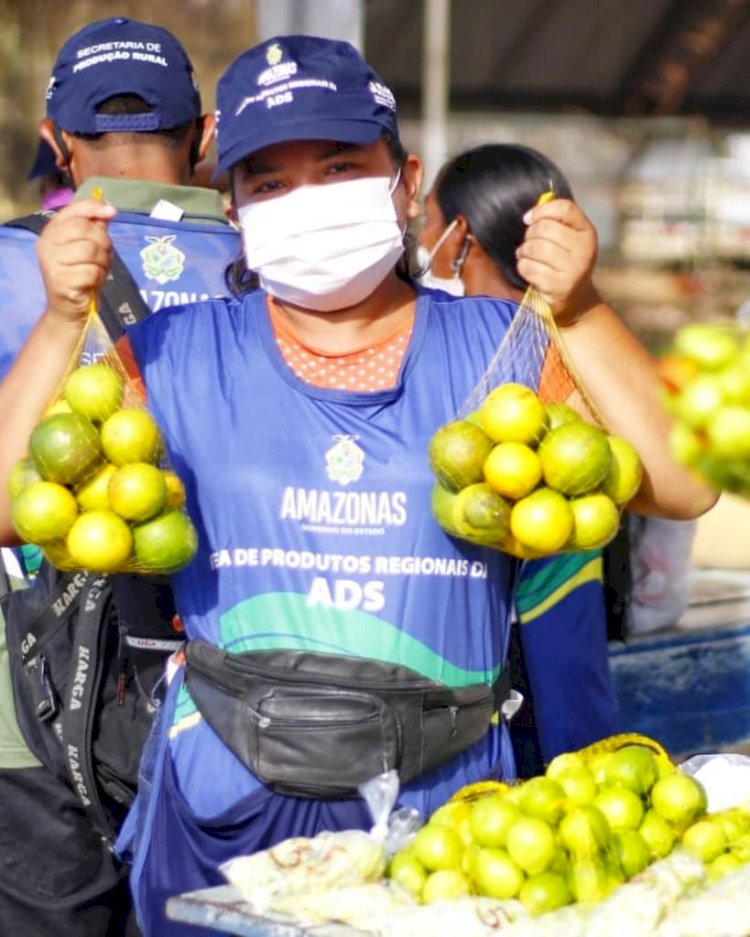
column 596, row 520
column 43, row 511
column 131, row 435
column 165, row 543
column 442, row 503
column 542, row 521
column 480, row 514
column 513, row 413
column 457, row 452
column 512, row 469
column 100, row 541
column 175, row 490
column 65, row 447
column 575, row 458
column 23, row 473
column 94, row 390
column 560, row 413
column 137, row 491
column 93, row 493
column 623, row 478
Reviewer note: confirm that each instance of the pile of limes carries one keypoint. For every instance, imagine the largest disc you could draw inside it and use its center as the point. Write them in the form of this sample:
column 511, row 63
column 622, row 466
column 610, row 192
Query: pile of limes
column 530, row 478
column 573, row 834
column 706, row 388
column 92, row 491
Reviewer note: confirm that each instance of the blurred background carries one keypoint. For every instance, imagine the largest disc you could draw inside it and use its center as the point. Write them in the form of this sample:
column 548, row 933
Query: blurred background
column 644, row 104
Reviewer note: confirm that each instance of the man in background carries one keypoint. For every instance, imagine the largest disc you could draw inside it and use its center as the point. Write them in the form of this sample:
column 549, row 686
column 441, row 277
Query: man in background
column 123, row 116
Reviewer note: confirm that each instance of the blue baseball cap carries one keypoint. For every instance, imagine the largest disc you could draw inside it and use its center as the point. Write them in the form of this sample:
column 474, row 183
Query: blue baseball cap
column 299, row 88
column 120, row 56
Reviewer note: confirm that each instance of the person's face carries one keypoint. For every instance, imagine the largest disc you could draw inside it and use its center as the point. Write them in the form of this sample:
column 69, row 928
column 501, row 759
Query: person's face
column 277, row 170
column 433, row 228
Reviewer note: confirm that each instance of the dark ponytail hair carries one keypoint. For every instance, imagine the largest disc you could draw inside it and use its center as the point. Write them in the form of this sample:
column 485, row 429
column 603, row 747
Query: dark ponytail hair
column 493, row 186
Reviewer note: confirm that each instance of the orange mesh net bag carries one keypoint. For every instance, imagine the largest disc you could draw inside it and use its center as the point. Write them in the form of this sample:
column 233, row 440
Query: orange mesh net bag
column 95, row 490
column 527, row 466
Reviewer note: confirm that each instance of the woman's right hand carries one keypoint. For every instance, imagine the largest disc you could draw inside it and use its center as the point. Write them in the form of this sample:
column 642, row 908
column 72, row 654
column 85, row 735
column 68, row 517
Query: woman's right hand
column 75, row 253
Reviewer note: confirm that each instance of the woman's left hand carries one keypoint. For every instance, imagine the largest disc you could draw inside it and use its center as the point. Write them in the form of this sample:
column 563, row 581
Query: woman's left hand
column 557, row 257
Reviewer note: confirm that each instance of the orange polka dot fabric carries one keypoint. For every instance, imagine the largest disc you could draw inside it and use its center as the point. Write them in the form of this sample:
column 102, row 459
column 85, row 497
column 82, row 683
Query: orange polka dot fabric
column 367, row 369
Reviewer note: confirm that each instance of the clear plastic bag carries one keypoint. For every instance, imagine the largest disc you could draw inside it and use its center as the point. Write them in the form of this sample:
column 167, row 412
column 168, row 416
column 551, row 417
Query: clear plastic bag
column 527, row 466
column 95, row 490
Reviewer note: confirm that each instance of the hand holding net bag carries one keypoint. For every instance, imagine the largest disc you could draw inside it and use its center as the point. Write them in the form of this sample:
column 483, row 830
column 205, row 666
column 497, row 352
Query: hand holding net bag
column 527, row 466
column 95, row 490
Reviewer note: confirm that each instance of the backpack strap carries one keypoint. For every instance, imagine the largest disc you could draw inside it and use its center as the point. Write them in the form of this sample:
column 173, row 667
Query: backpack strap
column 78, row 716
column 120, row 300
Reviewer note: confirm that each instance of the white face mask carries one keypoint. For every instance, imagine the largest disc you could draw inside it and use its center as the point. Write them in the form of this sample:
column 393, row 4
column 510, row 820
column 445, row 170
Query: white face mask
column 453, row 285
column 324, row 247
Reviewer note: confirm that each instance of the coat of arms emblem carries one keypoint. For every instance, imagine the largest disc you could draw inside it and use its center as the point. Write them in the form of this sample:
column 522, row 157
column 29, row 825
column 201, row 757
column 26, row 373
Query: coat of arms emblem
column 162, row 260
column 345, row 460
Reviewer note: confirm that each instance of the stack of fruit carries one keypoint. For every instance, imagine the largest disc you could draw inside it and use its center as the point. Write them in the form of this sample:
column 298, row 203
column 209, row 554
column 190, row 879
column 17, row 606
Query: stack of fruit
column 530, row 478
column 593, row 821
column 93, row 491
column 706, row 381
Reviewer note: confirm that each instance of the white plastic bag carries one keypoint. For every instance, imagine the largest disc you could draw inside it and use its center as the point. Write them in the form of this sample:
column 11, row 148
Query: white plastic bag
column 660, row 556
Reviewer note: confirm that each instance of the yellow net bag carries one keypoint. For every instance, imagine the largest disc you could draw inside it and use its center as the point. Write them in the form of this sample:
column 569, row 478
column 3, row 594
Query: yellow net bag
column 95, row 490
column 527, row 465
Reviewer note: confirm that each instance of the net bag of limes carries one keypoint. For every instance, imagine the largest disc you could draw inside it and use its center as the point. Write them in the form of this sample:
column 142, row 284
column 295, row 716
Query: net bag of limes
column 706, row 388
column 527, row 466
column 95, row 490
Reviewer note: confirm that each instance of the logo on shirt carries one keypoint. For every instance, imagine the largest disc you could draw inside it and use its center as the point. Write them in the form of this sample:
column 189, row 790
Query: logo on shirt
column 345, row 460
column 162, row 260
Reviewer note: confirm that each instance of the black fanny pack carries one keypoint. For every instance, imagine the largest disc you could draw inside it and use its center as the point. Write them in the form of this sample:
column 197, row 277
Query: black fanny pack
column 318, row 725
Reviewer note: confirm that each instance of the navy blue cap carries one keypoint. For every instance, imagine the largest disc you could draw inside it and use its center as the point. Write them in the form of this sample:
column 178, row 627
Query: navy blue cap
column 300, row 88
column 121, row 56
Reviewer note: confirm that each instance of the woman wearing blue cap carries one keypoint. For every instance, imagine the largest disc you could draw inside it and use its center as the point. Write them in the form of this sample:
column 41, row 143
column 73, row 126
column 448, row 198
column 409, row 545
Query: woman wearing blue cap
column 334, row 629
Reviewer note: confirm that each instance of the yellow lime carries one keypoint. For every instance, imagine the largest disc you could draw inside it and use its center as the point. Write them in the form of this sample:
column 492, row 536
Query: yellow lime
column 705, row 839
column 542, row 520
column 175, row 490
column 457, row 452
column 623, row 808
column 442, row 502
column 137, row 491
column 408, row 871
column 633, row 767
column 43, row 511
column 100, row 541
column 94, row 390
column 560, row 413
column 480, row 514
column 545, row 892
column 632, row 852
column 512, row 469
column 658, row 834
column 65, row 448
column 23, row 473
column 165, row 543
column 578, row 784
column 531, row 844
column 445, row 884
column 495, row 874
column 575, row 458
column 584, row 831
column 686, row 444
column 678, row 798
column 723, row 865
column 622, row 481
column 596, row 520
column 59, row 406
column 491, row 818
column 93, row 493
column 513, row 413
column 437, row 847
column 710, row 346
column 131, row 435
column 544, row 798
column 592, row 878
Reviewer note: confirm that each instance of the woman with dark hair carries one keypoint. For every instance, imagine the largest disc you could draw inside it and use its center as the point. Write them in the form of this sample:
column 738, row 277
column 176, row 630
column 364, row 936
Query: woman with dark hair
column 474, row 226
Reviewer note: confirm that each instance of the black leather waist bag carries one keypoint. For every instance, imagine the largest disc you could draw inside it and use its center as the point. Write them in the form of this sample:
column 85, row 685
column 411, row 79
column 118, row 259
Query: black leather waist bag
column 318, row 725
